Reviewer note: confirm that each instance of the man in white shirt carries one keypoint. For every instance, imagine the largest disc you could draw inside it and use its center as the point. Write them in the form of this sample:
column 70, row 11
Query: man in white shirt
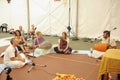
column 21, row 30
column 11, row 57
column 106, row 39
column 108, row 44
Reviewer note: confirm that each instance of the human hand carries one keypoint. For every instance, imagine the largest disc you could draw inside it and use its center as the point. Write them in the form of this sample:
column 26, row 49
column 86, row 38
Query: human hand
column 25, row 44
column 22, row 59
column 64, row 50
column 61, row 50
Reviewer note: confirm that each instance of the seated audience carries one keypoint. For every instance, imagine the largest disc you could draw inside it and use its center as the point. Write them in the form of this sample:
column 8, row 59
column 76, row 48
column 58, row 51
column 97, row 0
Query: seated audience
column 63, row 45
column 40, row 42
column 12, row 58
column 21, row 40
column 32, row 30
column 41, row 46
column 39, row 39
column 21, row 30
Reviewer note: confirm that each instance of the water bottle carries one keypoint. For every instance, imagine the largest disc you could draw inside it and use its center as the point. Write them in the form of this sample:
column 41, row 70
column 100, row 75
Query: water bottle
column 91, row 51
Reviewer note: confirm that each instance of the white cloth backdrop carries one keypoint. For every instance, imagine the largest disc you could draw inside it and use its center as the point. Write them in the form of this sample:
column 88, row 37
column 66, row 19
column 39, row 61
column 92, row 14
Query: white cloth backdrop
column 51, row 17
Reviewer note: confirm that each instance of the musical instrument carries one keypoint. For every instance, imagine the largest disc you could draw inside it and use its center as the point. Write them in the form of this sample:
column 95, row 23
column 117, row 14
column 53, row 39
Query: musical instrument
column 101, row 47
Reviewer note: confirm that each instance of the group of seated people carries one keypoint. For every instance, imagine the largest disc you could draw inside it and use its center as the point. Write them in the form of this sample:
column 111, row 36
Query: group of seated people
column 15, row 54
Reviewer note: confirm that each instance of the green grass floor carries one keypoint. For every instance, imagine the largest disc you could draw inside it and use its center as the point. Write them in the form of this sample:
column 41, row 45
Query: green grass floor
column 78, row 44
column 4, row 35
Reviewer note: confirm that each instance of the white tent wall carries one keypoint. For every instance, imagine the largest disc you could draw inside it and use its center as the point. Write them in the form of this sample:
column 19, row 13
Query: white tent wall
column 49, row 16
column 14, row 13
column 52, row 17
column 56, row 17
column 114, row 21
column 95, row 16
column 4, row 12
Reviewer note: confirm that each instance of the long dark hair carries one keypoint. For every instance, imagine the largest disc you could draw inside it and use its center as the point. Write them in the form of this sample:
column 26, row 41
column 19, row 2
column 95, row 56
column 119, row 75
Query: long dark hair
column 16, row 32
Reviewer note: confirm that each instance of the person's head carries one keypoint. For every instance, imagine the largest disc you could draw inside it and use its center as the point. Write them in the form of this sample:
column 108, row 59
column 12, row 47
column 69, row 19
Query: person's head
column 17, row 33
column 106, row 34
column 14, row 42
column 32, row 26
column 38, row 34
column 20, row 27
column 64, row 35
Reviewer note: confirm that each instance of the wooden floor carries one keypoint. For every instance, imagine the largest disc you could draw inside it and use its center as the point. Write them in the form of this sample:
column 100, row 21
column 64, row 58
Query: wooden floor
column 79, row 65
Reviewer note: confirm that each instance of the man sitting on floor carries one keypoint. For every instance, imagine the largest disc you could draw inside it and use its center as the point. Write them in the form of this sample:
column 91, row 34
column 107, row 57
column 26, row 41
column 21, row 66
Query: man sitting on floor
column 106, row 43
column 11, row 57
column 106, row 39
column 21, row 30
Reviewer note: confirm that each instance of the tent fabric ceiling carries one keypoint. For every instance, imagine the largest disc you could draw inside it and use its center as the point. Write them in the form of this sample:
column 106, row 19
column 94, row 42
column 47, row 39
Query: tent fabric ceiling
column 52, row 17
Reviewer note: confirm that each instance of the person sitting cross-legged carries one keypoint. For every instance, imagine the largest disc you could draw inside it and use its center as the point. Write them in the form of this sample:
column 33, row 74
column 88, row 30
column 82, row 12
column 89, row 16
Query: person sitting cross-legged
column 63, row 45
column 12, row 58
column 21, row 40
column 21, row 30
column 32, row 31
column 106, row 43
column 39, row 39
column 41, row 46
column 110, row 42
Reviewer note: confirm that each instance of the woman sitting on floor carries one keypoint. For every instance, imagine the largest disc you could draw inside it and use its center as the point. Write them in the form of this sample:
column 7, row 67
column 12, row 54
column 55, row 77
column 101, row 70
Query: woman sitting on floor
column 39, row 39
column 42, row 46
column 21, row 40
column 63, row 46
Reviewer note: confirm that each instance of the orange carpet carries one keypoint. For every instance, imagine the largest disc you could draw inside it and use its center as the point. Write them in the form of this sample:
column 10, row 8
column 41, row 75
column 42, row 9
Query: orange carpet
column 76, row 64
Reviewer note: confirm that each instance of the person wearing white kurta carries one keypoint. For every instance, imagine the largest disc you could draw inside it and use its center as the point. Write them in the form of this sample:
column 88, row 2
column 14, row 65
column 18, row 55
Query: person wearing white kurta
column 11, row 58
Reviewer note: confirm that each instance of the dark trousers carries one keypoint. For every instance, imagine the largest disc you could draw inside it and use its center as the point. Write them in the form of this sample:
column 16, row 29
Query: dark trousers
column 57, row 50
column 19, row 48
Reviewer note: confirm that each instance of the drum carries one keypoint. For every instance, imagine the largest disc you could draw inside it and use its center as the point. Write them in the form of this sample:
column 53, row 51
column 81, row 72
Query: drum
column 101, row 47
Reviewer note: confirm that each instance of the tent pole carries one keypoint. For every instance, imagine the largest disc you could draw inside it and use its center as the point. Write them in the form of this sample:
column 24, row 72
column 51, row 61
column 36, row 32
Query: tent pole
column 69, row 19
column 69, row 12
column 28, row 15
column 77, row 17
